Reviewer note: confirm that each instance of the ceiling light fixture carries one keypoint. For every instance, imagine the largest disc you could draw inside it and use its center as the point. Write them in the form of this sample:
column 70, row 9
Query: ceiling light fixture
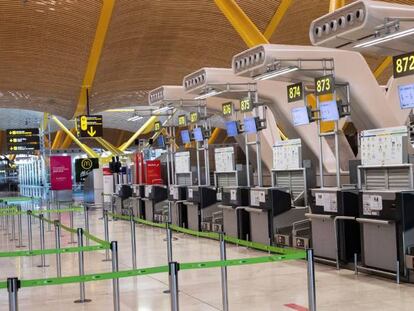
column 386, row 38
column 208, row 94
column 162, row 109
column 275, row 73
column 135, row 118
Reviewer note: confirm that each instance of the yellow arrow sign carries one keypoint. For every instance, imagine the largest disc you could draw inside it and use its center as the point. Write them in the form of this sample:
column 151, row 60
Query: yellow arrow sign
column 91, row 132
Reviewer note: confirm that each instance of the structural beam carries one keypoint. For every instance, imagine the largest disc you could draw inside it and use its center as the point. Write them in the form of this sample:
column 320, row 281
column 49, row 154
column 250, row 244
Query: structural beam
column 150, row 122
column 381, row 68
column 85, row 148
column 277, row 18
column 247, row 30
column 335, row 4
column 214, row 135
column 68, row 140
column 108, row 146
column 95, row 54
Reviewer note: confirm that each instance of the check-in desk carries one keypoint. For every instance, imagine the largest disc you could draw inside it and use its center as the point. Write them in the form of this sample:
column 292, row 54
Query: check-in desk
column 177, row 195
column 335, row 232
column 138, row 204
column 201, row 205
column 156, row 206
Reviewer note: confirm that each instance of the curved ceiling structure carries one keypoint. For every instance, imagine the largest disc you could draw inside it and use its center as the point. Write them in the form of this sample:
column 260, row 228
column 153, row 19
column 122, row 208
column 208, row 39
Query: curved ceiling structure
column 45, row 46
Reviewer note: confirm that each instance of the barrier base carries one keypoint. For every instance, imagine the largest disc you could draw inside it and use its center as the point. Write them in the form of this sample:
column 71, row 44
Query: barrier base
column 83, row 301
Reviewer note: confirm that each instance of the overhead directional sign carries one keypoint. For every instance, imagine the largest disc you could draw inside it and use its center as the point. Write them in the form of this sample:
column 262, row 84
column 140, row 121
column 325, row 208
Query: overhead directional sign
column 23, row 141
column 89, row 126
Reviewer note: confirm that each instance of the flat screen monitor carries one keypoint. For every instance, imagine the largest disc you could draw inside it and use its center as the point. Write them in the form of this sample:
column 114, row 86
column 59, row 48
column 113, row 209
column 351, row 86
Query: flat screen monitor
column 232, row 128
column 329, row 110
column 185, row 136
column 198, row 134
column 406, row 95
column 161, row 142
column 250, row 125
column 300, row 116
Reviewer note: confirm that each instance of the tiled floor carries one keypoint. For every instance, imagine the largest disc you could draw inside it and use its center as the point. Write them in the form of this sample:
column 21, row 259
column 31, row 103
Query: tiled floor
column 264, row 287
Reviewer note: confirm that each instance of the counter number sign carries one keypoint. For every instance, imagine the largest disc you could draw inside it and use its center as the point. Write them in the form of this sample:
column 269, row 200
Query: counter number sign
column 324, row 85
column 227, row 109
column 295, row 92
column 157, row 126
column 89, row 126
column 246, row 105
column 182, row 120
column 403, row 65
column 193, row 117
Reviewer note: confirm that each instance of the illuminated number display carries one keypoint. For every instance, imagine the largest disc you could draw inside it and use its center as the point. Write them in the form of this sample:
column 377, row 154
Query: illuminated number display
column 246, row 105
column 182, row 120
column 193, row 117
column 157, row 126
column 403, row 65
column 324, row 85
column 295, row 92
column 227, row 109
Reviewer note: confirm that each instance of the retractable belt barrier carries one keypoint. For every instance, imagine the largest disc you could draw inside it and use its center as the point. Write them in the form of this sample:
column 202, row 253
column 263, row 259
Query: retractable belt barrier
column 12, row 211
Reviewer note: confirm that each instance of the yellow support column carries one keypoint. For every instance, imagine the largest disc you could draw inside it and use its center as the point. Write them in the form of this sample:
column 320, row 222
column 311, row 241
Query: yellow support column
column 147, row 125
column 94, row 56
column 277, row 18
column 335, row 4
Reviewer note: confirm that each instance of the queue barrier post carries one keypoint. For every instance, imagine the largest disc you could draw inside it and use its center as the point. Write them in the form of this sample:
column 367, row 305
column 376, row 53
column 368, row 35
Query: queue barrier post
column 29, row 229
column 224, row 286
column 57, row 246
column 173, row 268
column 49, row 227
column 311, row 280
column 72, row 238
column 81, row 268
column 13, row 285
column 169, row 241
column 86, row 219
column 42, row 241
column 106, row 232
column 133, row 241
column 20, row 226
column 115, row 281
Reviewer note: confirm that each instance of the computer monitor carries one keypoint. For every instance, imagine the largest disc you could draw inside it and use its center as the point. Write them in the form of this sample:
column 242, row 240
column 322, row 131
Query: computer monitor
column 161, row 142
column 300, row 116
column 232, row 128
column 250, row 125
column 198, row 134
column 329, row 110
column 185, row 136
column 406, row 95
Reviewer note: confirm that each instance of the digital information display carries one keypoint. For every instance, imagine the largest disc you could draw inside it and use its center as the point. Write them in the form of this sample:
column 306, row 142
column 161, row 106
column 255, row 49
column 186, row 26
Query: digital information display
column 250, row 125
column 182, row 120
column 324, row 85
column 198, row 134
column 157, row 126
column 22, row 141
column 227, row 109
column 329, row 110
column 300, row 116
column 193, row 117
column 232, row 128
column 246, row 105
column 161, row 141
column 403, row 65
column 185, row 136
column 406, row 95
column 295, row 92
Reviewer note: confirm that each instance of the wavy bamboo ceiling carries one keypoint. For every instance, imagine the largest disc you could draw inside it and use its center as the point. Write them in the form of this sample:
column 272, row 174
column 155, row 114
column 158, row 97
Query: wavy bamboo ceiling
column 45, row 46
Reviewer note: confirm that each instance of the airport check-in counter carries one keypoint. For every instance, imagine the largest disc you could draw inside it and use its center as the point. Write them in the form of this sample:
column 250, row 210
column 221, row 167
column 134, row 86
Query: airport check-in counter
column 156, row 207
column 201, row 206
column 123, row 200
column 386, row 201
column 268, row 213
column 335, row 233
column 138, row 204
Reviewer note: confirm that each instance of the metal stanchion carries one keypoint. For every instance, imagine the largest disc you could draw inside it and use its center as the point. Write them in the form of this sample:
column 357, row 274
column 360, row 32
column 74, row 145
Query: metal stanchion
column 57, row 246
column 13, row 285
column 311, row 280
column 13, row 228
column 113, row 208
column 86, row 219
column 49, row 227
column 106, row 232
column 58, row 208
column 72, row 239
column 133, row 242
column 169, row 242
column 20, row 226
column 42, row 241
column 7, row 226
column 224, row 287
column 115, row 281
column 29, row 230
column 82, row 298
column 173, row 280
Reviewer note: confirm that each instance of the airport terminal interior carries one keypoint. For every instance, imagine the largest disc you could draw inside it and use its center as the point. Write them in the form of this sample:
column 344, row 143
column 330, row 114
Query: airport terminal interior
column 204, row 155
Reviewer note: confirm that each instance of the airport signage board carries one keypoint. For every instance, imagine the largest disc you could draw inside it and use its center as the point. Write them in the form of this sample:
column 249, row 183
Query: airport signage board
column 403, row 65
column 182, row 120
column 193, row 117
column 60, row 173
column 246, row 104
column 227, row 109
column 324, row 85
column 295, row 92
column 89, row 126
column 157, row 126
column 23, row 141
column 83, row 167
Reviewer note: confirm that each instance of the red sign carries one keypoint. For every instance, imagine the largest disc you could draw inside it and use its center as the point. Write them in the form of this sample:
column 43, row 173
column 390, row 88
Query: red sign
column 139, row 168
column 153, row 172
column 61, row 172
column 106, row 171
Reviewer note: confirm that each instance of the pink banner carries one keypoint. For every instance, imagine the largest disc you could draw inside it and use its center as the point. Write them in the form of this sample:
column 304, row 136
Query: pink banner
column 61, row 172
